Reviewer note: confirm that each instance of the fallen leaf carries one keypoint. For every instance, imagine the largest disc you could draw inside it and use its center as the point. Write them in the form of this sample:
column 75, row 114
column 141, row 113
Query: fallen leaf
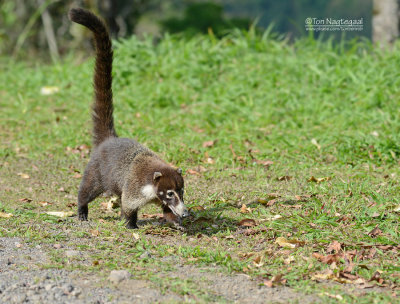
column 284, row 178
column 209, row 143
column 135, row 236
column 156, row 215
column 327, row 259
column 5, row 215
column 276, row 280
column 193, row 172
column 283, row 242
column 247, row 223
column 77, row 175
column 319, row 180
column 375, row 232
column 265, row 163
column 288, row 260
column 49, row 90
column 25, row 200
column 43, row 203
column 245, row 209
column 258, row 261
column 273, row 195
column 23, row 175
column 334, row 246
column 95, row 232
column 57, row 246
column 61, row 214
column 338, row 297
column 315, row 143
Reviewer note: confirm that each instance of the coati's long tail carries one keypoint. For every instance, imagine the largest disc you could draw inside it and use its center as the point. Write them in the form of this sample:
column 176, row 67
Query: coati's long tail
column 103, row 123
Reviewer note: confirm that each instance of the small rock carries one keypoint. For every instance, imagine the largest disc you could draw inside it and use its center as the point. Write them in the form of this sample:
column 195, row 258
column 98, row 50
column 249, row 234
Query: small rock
column 117, row 276
column 71, row 253
column 48, row 287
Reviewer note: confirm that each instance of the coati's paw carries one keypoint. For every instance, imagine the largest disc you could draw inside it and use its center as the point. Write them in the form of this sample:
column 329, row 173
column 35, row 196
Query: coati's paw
column 83, row 213
column 132, row 226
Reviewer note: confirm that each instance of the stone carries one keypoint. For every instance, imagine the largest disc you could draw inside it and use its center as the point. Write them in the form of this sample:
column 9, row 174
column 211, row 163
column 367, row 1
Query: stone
column 117, row 276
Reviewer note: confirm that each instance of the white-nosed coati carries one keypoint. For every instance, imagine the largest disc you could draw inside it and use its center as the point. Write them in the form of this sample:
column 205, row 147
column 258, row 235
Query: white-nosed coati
column 122, row 166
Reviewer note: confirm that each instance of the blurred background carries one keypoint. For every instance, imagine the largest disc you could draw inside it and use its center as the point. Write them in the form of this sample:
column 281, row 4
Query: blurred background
column 41, row 28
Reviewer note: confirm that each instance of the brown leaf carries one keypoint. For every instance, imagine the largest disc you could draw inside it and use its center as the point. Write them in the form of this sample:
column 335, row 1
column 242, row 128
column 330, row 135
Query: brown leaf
column 156, row 215
column 77, row 175
column 209, row 143
column 25, row 200
column 193, row 172
column 327, row 259
column 247, row 223
column 283, row 242
column 44, row 203
column 94, row 232
column 284, row 178
column 375, row 232
column 5, row 215
column 245, row 209
column 319, row 180
column 265, row 163
column 334, row 246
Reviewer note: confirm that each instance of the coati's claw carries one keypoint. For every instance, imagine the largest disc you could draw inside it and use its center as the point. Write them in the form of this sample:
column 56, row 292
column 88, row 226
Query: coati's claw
column 83, row 214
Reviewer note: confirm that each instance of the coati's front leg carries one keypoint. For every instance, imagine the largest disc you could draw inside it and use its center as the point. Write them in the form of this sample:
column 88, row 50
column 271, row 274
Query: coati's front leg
column 89, row 189
column 130, row 218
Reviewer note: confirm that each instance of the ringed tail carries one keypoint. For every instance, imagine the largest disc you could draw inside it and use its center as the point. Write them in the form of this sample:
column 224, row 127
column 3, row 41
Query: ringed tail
column 102, row 108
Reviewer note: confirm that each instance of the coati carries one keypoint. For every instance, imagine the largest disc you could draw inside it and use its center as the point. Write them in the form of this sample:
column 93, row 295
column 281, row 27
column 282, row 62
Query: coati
column 122, row 166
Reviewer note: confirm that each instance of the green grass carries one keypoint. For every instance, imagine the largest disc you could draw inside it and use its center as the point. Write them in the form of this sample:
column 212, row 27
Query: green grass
column 313, row 108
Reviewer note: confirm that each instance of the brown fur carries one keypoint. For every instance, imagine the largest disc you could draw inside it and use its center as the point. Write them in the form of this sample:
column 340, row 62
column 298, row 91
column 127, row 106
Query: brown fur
column 119, row 165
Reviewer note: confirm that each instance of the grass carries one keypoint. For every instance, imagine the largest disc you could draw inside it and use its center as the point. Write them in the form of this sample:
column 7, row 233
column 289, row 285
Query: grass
column 312, row 108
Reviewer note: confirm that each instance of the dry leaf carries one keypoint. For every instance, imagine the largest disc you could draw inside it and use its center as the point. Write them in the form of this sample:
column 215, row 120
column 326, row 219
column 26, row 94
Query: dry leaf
column 288, row 260
column 43, row 203
column 284, row 178
column 258, row 261
column 327, row 259
column 338, row 297
column 283, row 242
column 375, row 232
column 319, row 180
column 61, row 214
column 273, row 195
column 334, row 246
column 77, row 175
column 156, row 215
column 5, row 215
column 95, row 232
column 193, row 172
column 25, row 200
column 247, row 223
column 23, row 175
column 209, row 143
column 135, row 236
column 315, row 143
column 49, row 90
column 245, row 209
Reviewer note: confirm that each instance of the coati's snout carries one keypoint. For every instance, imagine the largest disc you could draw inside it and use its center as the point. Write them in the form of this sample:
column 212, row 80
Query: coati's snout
column 170, row 188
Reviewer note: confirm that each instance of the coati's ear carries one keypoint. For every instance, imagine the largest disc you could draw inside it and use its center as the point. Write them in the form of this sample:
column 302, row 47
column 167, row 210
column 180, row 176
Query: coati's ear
column 157, row 175
column 179, row 170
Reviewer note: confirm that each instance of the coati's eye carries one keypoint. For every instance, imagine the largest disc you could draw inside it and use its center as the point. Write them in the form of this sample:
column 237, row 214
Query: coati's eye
column 170, row 194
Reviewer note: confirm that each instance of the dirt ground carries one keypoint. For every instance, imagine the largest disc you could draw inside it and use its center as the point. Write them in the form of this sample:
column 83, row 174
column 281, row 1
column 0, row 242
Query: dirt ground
column 23, row 281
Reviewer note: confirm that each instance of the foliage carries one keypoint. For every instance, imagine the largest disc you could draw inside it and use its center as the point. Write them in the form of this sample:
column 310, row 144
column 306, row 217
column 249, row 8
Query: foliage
column 202, row 17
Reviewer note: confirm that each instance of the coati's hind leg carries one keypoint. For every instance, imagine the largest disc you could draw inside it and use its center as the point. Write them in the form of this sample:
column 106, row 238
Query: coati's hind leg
column 89, row 189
